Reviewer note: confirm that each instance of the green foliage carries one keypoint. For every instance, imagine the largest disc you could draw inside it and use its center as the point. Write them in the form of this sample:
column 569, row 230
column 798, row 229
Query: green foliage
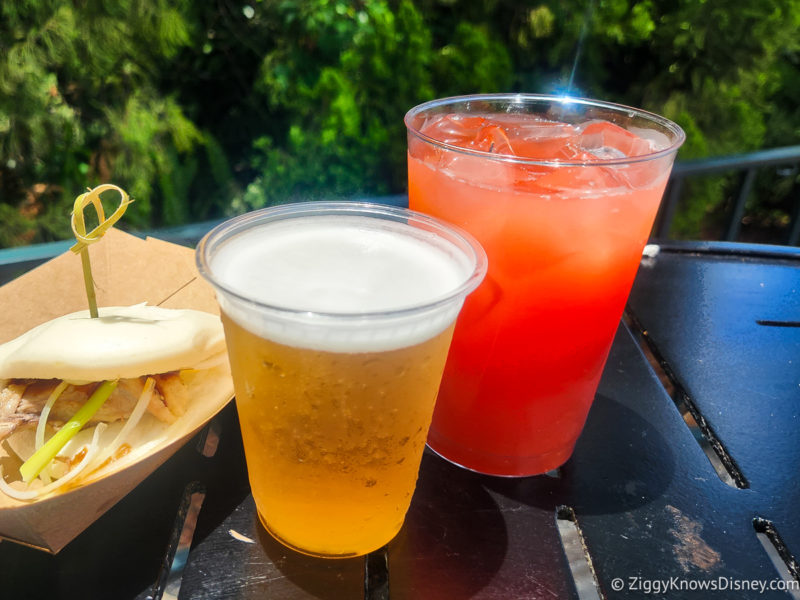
column 474, row 61
column 343, row 90
column 723, row 71
column 205, row 109
column 82, row 101
column 152, row 135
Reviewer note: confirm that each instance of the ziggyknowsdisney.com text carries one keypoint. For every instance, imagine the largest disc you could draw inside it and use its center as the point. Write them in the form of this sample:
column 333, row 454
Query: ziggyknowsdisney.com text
column 637, row 583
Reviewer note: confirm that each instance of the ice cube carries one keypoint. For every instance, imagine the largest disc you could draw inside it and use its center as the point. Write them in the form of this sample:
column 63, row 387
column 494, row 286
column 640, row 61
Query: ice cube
column 606, row 152
column 588, row 180
column 656, row 139
column 454, row 129
column 494, row 139
column 533, row 128
column 477, row 170
column 540, row 139
column 572, row 151
column 606, row 140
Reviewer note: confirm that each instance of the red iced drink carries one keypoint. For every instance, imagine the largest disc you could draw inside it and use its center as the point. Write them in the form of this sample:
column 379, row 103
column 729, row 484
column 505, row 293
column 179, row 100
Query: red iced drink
column 562, row 196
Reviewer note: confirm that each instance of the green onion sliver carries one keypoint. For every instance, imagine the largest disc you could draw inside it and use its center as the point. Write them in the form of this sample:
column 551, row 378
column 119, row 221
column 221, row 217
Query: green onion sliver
column 42, row 457
column 40, row 428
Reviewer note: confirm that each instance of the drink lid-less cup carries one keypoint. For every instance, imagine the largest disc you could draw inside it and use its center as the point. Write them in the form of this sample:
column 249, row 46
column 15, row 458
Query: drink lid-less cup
column 562, row 194
column 338, row 317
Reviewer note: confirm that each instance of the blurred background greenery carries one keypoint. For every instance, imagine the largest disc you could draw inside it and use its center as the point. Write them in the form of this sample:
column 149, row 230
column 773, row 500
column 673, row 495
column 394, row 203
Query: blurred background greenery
column 205, row 109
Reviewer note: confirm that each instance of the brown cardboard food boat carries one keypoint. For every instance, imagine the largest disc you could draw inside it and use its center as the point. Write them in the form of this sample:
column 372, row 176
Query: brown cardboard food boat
column 127, row 271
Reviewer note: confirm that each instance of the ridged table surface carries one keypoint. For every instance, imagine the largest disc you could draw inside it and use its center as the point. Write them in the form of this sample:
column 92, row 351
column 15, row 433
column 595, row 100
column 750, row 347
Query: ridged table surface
column 706, row 364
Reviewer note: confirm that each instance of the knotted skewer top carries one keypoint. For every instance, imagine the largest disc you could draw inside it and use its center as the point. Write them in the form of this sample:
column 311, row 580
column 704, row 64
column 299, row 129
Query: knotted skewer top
column 84, row 240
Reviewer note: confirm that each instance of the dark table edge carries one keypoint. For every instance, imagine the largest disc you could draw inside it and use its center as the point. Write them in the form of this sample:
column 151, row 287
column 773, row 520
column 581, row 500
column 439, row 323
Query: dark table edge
column 728, row 249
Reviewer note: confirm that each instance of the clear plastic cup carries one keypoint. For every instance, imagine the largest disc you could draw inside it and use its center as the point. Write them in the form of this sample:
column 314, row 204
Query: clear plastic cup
column 338, row 318
column 562, row 194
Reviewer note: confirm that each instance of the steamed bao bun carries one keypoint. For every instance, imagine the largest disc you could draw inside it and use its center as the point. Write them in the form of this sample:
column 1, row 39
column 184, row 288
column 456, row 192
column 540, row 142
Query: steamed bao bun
column 123, row 342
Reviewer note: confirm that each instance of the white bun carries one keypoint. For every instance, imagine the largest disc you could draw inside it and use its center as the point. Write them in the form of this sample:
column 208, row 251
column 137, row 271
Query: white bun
column 123, row 342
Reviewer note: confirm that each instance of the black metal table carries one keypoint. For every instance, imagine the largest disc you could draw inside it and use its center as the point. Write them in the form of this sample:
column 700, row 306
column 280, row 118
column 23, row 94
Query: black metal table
column 683, row 484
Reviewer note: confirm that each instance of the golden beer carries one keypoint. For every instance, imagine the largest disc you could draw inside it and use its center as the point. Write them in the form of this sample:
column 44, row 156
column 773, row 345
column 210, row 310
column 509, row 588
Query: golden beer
column 333, row 440
column 338, row 318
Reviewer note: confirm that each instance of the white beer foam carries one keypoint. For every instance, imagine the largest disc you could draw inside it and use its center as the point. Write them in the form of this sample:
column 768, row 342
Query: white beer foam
column 344, row 266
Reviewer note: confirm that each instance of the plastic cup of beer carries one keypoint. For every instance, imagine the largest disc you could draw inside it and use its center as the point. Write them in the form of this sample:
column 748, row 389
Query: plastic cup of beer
column 562, row 194
column 338, row 318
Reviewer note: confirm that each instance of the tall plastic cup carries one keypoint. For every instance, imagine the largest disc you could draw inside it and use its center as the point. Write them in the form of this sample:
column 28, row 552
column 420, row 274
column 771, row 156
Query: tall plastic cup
column 338, row 318
column 562, row 194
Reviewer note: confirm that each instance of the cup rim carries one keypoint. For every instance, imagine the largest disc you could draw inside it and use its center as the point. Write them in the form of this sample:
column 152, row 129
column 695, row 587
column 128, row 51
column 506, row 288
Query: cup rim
column 464, row 241
column 678, row 135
